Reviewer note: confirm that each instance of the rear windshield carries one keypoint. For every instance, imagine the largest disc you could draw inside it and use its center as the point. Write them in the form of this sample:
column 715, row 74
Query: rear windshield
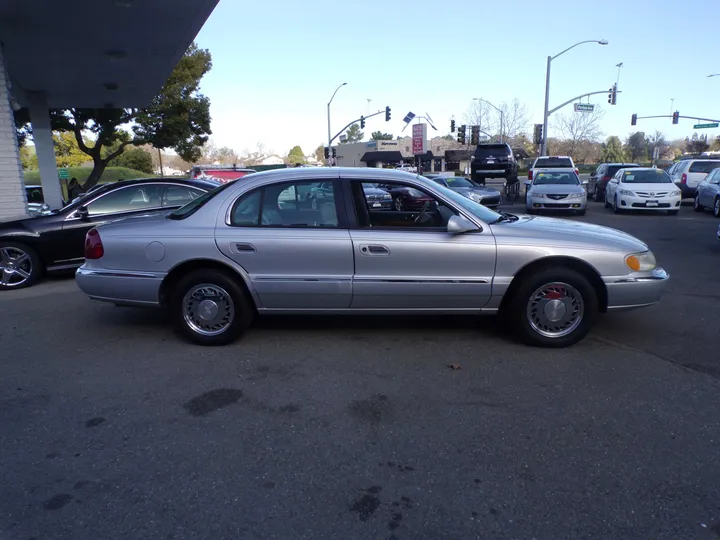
column 497, row 150
column 552, row 162
column 655, row 176
column 612, row 169
column 703, row 166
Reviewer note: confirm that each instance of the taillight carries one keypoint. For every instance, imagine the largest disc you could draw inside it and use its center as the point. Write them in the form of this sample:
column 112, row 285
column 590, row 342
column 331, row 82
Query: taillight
column 577, row 171
column 604, row 179
column 683, row 179
column 93, row 245
column 530, row 174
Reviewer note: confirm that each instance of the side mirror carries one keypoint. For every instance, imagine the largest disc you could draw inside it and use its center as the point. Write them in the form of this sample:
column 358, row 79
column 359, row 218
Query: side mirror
column 460, row 225
column 82, row 212
column 585, row 183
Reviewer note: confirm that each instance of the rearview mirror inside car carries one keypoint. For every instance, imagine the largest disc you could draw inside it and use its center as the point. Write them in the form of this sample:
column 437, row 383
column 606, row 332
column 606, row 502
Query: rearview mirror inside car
column 460, row 224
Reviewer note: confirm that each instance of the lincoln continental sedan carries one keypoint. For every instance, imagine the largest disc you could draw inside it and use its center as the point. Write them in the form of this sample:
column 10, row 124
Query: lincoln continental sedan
column 257, row 247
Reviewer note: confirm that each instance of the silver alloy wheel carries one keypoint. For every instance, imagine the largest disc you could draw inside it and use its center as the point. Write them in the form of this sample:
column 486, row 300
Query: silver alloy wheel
column 716, row 208
column 208, row 309
column 398, row 205
column 16, row 266
column 555, row 310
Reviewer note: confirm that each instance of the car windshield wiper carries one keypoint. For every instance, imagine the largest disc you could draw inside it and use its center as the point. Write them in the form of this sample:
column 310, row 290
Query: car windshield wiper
column 504, row 216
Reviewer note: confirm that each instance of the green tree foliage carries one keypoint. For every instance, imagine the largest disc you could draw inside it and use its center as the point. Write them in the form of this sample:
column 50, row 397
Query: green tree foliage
column 353, row 135
column 636, row 146
column 612, row 150
column 67, row 152
column 134, row 158
column 28, row 158
column 320, row 153
column 296, row 156
column 178, row 117
column 697, row 144
column 380, row 136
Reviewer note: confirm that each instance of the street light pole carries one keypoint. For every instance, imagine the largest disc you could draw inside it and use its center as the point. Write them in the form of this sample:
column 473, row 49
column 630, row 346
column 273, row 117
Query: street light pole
column 502, row 116
column 543, row 147
column 328, row 118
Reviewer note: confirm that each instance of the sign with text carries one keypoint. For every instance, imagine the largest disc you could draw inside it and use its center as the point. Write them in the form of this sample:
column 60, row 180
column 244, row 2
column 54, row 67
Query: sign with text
column 703, row 126
column 63, row 174
column 419, row 136
column 584, row 107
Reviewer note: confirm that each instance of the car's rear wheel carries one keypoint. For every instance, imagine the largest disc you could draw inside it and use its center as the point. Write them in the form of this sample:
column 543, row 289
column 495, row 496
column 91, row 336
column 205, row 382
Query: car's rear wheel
column 20, row 266
column 696, row 204
column 716, row 207
column 210, row 307
column 555, row 307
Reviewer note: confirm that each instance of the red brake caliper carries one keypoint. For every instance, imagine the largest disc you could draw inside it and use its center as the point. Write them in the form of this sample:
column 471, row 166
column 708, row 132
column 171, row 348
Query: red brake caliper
column 553, row 295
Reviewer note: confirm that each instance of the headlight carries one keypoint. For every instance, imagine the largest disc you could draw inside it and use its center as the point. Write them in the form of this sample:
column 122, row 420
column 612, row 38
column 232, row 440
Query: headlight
column 675, row 193
column 474, row 196
column 387, row 196
column 626, row 192
column 537, row 195
column 641, row 262
column 576, row 195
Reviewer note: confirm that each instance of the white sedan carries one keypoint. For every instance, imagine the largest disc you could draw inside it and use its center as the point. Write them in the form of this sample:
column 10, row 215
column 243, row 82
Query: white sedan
column 642, row 188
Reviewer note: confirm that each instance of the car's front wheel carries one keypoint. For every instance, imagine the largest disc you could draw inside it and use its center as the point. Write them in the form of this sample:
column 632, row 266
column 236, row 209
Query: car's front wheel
column 615, row 206
column 398, row 204
column 596, row 194
column 716, row 208
column 20, row 266
column 555, row 307
column 210, row 307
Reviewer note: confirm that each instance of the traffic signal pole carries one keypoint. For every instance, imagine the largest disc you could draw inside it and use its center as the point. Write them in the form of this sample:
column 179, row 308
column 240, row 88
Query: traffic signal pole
column 670, row 116
column 353, row 122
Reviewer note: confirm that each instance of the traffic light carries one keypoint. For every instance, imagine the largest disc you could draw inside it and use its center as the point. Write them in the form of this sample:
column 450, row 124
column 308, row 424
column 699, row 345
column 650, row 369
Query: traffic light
column 362, row 122
column 676, row 117
column 387, row 114
column 334, row 152
column 537, row 135
column 633, row 120
column 475, row 136
column 452, row 126
column 327, row 153
column 461, row 134
column 612, row 95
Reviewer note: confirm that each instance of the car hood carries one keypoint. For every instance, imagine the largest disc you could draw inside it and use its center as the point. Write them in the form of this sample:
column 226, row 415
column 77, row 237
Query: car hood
column 652, row 188
column 554, row 231
column 374, row 191
column 485, row 192
column 557, row 188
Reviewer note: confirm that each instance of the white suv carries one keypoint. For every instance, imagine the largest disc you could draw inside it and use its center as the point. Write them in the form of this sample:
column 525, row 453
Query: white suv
column 687, row 174
column 552, row 162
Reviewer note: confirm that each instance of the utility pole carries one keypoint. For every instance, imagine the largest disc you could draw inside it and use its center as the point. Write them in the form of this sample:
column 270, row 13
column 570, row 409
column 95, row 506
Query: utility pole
column 160, row 160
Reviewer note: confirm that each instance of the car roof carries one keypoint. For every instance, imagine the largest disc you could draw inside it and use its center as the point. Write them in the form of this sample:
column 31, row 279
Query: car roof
column 329, row 173
column 563, row 170
column 646, row 169
column 546, row 157
column 625, row 165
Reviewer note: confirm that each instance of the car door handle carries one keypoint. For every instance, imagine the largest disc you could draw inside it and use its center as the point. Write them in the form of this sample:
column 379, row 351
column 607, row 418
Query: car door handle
column 245, row 248
column 374, row 249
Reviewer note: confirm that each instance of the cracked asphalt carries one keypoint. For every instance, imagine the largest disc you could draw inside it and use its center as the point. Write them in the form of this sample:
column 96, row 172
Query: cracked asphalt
column 313, row 428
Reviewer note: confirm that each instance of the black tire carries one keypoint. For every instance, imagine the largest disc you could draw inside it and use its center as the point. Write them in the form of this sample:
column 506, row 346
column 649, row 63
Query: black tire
column 716, row 207
column 696, row 204
column 607, row 204
column 673, row 212
column 596, row 194
column 243, row 307
column 398, row 204
column 516, row 311
column 581, row 212
column 615, row 207
column 11, row 252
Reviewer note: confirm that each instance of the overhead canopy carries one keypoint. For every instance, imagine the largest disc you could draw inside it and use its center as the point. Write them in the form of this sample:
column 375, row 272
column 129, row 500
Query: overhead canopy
column 385, row 157
column 96, row 53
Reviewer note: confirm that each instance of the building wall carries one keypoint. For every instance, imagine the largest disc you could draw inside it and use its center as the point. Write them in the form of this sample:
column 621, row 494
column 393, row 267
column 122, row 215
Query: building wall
column 13, row 201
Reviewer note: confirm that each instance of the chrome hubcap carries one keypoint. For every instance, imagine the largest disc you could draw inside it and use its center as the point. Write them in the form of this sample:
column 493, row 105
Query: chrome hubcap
column 208, row 309
column 555, row 310
column 15, row 267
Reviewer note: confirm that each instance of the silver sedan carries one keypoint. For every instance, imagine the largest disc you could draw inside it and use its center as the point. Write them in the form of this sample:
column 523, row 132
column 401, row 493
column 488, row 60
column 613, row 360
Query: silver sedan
column 555, row 189
column 259, row 247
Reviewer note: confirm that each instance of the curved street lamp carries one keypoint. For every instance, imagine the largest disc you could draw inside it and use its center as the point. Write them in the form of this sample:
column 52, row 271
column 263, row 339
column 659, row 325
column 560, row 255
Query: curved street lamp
column 502, row 115
column 547, row 86
column 328, row 116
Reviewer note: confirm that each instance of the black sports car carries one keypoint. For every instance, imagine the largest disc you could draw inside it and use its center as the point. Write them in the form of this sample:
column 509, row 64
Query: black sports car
column 31, row 246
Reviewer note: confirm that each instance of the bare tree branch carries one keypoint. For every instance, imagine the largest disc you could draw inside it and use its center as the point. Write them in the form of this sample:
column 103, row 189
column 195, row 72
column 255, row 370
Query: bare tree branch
column 576, row 128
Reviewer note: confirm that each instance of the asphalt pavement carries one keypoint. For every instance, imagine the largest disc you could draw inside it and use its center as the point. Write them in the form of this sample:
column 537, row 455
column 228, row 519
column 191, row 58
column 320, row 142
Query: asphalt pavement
column 355, row 428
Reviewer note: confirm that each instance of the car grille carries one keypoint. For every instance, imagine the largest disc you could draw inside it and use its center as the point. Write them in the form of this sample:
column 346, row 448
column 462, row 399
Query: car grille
column 650, row 195
column 490, row 201
column 556, row 205
column 556, row 197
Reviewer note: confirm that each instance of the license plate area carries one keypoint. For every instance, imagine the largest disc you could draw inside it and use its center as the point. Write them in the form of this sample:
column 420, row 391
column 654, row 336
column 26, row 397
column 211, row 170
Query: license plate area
column 651, row 203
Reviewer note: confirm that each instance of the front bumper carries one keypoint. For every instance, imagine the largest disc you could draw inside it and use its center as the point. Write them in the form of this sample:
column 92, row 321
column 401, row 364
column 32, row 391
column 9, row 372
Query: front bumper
column 120, row 287
column 636, row 290
column 380, row 204
column 630, row 202
column 573, row 205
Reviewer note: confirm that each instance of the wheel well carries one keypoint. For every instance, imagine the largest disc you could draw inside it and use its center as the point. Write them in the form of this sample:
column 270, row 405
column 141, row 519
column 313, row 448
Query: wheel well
column 198, row 264
column 567, row 262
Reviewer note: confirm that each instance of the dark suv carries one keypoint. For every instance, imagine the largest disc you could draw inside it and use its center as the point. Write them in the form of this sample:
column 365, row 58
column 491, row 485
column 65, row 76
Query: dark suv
column 493, row 161
column 602, row 175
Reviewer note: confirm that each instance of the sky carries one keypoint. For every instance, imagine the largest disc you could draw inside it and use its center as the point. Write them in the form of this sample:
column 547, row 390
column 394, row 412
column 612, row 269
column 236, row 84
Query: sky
column 277, row 63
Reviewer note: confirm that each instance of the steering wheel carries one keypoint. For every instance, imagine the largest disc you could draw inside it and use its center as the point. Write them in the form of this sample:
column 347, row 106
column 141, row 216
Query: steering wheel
column 422, row 212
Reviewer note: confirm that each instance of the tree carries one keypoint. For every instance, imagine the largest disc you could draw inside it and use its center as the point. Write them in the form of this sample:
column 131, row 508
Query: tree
column 514, row 117
column 296, row 156
column 697, row 144
column 134, row 158
column 178, row 117
column 656, row 140
column 636, row 146
column 448, row 137
column 319, row 153
column 612, row 150
column 67, row 152
column 578, row 127
column 28, row 158
column 380, row 136
column 353, row 135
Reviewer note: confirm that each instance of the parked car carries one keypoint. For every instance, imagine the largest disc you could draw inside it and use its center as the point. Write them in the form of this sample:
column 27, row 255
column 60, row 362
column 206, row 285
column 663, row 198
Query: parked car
column 707, row 194
column 555, row 189
column 228, row 255
column 688, row 173
column 493, row 161
column 405, row 198
column 376, row 197
column 718, row 233
column 30, row 247
column 219, row 173
column 642, row 188
column 552, row 162
column 36, row 201
column 602, row 175
column 480, row 194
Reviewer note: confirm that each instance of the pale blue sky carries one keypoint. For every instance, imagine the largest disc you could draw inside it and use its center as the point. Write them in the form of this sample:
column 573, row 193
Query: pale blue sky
column 276, row 63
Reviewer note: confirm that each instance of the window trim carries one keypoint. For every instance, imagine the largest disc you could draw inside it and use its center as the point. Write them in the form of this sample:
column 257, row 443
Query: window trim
column 340, row 208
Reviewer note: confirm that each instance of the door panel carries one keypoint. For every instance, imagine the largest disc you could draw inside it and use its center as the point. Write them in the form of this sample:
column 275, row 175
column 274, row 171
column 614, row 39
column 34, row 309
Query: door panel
column 293, row 268
column 422, row 269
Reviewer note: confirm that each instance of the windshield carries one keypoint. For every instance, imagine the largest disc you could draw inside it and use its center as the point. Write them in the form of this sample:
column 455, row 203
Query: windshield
column 193, row 206
column 703, row 166
column 454, row 182
column 550, row 162
column 654, row 176
column 563, row 178
column 612, row 169
column 474, row 208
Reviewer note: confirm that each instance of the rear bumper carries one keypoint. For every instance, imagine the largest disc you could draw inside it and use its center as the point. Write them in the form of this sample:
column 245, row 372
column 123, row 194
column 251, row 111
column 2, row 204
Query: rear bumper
column 687, row 191
column 634, row 292
column 120, row 287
